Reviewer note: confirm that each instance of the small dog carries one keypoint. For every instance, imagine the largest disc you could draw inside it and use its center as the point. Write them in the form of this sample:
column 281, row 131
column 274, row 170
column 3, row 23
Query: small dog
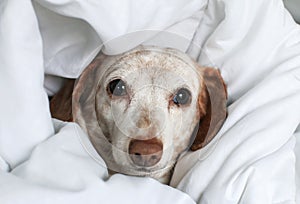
column 143, row 108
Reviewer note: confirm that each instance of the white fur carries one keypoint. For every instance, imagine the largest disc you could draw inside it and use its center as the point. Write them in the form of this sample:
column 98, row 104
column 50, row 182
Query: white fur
column 152, row 76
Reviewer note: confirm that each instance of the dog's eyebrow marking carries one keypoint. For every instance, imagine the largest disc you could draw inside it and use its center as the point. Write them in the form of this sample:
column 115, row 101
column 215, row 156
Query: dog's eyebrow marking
column 139, row 56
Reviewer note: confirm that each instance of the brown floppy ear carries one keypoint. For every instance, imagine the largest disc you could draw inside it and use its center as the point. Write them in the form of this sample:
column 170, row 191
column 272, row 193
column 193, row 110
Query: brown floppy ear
column 212, row 106
column 65, row 103
column 61, row 103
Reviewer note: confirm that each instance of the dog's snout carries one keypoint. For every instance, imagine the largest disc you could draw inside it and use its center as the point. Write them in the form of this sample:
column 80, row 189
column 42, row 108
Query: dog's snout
column 145, row 153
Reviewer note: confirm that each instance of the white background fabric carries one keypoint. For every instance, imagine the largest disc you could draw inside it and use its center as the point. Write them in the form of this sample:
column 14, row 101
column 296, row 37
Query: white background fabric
column 255, row 44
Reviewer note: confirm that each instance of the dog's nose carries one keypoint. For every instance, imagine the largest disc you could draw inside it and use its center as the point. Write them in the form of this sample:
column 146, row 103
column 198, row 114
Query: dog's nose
column 145, row 153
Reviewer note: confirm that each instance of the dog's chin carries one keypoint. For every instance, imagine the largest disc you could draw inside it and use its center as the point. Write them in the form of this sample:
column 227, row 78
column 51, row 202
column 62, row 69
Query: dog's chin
column 162, row 174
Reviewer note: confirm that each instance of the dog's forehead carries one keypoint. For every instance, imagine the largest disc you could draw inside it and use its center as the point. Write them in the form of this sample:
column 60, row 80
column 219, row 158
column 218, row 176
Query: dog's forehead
column 167, row 64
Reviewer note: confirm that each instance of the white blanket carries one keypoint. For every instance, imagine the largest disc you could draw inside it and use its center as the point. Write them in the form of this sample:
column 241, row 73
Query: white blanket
column 254, row 43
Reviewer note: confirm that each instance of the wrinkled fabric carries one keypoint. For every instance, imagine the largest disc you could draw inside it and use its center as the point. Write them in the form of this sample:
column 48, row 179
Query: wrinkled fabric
column 252, row 159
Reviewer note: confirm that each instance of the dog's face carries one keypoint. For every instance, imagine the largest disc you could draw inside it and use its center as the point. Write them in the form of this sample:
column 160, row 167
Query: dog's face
column 142, row 112
column 141, row 105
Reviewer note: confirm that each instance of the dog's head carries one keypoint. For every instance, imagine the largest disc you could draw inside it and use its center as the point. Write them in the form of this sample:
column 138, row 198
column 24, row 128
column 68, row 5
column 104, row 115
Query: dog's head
column 143, row 108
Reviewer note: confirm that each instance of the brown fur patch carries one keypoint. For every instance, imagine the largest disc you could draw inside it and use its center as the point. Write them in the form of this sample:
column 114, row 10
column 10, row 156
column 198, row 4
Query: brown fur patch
column 214, row 97
column 61, row 103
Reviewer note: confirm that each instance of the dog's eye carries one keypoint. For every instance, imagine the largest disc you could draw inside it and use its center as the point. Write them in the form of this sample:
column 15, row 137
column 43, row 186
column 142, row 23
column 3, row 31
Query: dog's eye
column 182, row 97
column 117, row 87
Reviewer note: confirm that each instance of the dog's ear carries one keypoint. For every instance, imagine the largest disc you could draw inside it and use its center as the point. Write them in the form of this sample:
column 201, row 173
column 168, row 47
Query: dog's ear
column 83, row 100
column 65, row 104
column 212, row 101
column 61, row 102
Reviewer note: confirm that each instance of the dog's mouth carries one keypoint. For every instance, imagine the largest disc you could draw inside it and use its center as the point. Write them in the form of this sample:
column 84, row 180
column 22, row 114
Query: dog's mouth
column 144, row 171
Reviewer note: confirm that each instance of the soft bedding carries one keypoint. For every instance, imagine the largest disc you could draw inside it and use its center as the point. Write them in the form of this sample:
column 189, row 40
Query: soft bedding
column 254, row 43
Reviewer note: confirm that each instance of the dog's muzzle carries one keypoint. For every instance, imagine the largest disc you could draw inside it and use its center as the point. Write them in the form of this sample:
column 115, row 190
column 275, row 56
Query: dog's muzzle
column 145, row 153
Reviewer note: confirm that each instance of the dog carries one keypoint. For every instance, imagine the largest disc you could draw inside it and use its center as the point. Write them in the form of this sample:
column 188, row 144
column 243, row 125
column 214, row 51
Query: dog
column 142, row 109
